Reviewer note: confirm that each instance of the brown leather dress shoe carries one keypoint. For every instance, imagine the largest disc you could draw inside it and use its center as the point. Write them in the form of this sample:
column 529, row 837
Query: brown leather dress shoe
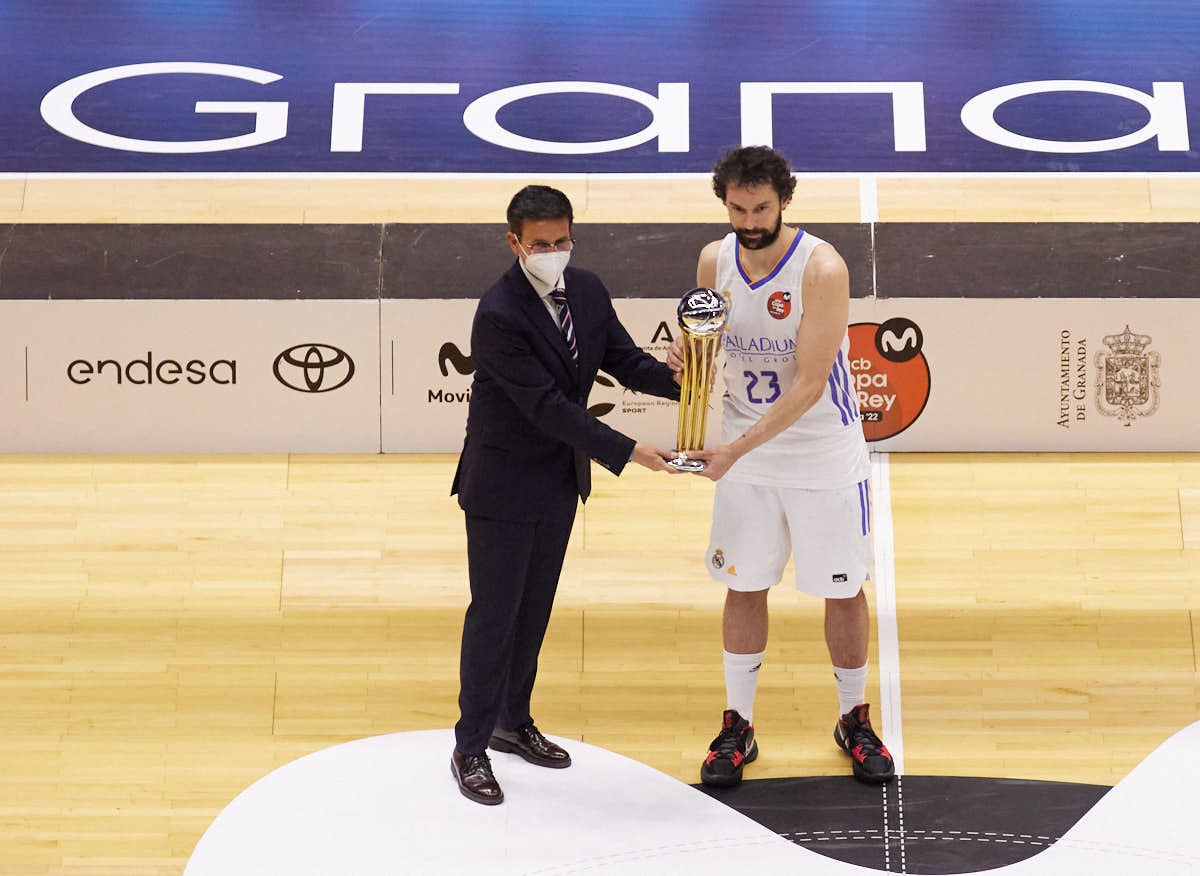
column 473, row 772
column 529, row 742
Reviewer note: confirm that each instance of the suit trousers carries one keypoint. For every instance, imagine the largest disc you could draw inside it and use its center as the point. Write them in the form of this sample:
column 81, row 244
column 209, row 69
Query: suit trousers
column 514, row 568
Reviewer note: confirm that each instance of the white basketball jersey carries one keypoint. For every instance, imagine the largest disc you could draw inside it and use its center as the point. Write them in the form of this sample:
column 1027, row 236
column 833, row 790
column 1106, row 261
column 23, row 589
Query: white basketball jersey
column 825, row 448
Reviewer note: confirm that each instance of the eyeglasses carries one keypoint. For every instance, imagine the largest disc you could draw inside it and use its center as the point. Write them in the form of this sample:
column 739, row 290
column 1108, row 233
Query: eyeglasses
column 541, row 247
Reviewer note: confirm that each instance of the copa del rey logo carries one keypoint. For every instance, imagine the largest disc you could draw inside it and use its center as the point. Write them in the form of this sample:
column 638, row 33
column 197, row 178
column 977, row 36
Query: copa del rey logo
column 779, row 305
column 1127, row 377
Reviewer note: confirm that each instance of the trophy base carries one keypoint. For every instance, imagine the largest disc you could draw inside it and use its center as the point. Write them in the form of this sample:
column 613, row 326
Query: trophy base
column 682, row 463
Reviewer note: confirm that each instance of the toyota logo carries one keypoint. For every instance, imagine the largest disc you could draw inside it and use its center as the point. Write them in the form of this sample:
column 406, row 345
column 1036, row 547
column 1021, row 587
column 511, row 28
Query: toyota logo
column 313, row 368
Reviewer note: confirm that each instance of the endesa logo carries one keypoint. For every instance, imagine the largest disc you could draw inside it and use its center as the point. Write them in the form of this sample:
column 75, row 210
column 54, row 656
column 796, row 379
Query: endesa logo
column 153, row 369
column 313, row 368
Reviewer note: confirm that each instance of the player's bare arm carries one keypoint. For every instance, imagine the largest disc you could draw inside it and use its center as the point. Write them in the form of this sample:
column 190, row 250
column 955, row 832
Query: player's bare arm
column 706, row 267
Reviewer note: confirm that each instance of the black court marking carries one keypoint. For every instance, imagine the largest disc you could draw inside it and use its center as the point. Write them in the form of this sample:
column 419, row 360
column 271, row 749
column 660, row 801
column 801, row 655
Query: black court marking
column 917, row 824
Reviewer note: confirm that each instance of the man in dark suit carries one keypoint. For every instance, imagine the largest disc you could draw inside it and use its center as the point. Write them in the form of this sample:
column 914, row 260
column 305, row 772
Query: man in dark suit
column 524, row 467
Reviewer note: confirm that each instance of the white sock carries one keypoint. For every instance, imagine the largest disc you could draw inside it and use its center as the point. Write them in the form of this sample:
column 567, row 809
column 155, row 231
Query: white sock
column 851, row 687
column 741, row 681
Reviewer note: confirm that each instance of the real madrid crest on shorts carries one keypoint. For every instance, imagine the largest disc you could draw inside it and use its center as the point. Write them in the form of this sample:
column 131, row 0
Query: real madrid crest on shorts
column 1127, row 377
column 718, row 559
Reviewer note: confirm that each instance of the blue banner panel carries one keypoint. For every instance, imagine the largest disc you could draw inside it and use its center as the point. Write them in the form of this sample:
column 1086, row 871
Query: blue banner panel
column 598, row 87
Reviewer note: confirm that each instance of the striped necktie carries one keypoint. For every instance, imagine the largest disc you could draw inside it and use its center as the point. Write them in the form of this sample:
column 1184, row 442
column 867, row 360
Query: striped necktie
column 559, row 297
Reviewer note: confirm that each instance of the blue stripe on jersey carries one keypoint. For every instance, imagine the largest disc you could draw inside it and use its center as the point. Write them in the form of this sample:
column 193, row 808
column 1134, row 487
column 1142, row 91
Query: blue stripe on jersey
column 851, row 399
column 835, row 396
column 864, row 505
column 839, row 390
column 737, row 260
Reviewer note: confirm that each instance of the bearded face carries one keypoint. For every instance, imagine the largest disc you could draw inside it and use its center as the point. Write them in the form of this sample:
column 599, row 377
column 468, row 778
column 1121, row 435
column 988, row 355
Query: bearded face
column 760, row 238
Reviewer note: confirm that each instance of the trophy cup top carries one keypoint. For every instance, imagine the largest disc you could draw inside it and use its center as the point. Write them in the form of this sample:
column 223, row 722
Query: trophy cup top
column 702, row 311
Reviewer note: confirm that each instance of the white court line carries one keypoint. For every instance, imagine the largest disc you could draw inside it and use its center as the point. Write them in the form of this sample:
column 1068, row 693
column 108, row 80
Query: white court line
column 885, row 610
column 868, row 199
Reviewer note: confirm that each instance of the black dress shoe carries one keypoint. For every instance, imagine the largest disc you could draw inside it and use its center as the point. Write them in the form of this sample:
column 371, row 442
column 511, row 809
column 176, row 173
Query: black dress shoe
column 473, row 772
column 529, row 742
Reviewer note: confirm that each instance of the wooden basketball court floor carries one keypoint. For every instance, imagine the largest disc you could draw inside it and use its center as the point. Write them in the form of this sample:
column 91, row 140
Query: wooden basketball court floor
column 174, row 628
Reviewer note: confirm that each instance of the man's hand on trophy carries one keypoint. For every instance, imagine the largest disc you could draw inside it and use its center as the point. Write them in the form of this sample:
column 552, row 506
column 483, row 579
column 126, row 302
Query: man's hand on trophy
column 652, row 458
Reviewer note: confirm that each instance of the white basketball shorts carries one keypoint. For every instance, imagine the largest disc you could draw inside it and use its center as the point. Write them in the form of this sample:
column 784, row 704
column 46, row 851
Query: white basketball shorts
column 756, row 528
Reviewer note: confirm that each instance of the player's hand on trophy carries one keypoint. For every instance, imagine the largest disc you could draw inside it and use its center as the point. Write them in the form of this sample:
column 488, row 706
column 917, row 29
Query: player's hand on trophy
column 651, row 457
column 675, row 361
column 716, row 461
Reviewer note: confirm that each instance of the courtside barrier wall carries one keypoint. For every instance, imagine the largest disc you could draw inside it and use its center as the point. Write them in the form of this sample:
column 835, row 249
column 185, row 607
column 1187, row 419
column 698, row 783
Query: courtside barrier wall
column 356, row 338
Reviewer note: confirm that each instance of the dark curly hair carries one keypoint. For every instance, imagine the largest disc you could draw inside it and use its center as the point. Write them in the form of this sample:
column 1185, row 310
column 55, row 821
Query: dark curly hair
column 537, row 202
column 753, row 166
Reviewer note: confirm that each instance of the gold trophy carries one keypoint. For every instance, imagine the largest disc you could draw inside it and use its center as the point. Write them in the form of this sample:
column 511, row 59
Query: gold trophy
column 702, row 313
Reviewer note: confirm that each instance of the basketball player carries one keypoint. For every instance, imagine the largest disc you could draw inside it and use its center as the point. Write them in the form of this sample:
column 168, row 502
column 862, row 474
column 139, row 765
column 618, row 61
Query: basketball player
column 792, row 473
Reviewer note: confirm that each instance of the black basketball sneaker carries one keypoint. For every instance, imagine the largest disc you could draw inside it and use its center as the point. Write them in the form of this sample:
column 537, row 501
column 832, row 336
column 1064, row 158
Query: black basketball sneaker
column 868, row 754
column 733, row 748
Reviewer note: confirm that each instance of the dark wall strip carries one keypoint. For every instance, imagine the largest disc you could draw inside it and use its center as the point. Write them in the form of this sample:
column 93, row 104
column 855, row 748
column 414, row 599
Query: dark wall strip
column 906, row 260
column 1038, row 260
column 190, row 262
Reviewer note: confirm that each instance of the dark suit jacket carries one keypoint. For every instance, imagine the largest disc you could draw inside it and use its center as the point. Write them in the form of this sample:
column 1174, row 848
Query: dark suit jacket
column 529, row 435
